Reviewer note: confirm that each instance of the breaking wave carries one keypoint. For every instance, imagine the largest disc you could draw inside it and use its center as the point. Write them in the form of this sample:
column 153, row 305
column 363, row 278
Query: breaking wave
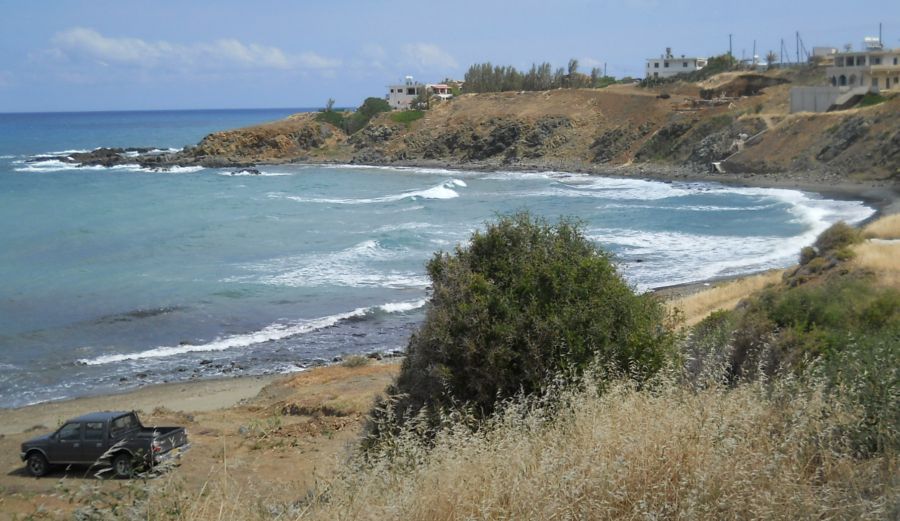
column 275, row 331
column 442, row 191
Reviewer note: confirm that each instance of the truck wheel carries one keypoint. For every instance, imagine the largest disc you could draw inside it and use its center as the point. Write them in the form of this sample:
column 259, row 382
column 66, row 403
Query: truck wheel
column 123, row 466
column 37, row 464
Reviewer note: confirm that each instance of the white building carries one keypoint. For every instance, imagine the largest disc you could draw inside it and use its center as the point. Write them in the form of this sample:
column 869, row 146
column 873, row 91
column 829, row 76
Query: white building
column 875, row 68
column 668, row 65
column 401, row 96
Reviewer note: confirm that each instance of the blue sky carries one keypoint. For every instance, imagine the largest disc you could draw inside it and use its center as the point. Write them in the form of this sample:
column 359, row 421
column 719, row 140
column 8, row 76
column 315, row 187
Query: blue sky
column 162, row 54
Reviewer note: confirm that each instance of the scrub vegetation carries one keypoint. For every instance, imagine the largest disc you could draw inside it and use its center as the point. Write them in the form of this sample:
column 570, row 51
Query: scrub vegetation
column 542, row 387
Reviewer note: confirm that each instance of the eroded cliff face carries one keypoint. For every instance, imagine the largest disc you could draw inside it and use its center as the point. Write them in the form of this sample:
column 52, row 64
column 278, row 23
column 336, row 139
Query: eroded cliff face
column 588, row 130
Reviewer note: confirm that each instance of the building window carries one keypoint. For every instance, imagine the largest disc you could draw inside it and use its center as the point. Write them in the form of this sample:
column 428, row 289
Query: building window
column 665, row 64
column 839, row 62
column 684, row 64
column 655, row 65
column 895, row 60
column 876, row 60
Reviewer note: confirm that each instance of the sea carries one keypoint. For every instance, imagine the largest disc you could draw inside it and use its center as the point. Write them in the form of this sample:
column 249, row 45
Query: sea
column 115, row 278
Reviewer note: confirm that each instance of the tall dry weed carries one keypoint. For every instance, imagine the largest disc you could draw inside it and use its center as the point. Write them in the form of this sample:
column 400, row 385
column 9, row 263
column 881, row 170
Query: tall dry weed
column 887, row 227
column 762, row 450
column 697, row 306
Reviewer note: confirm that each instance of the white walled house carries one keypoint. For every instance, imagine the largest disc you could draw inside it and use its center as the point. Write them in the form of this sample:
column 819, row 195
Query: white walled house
column 668, row 65
column 401, row 96
column 876, row 69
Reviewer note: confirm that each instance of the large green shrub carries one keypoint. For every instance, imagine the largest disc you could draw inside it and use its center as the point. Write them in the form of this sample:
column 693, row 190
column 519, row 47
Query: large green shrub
column 358, row 119
column 524, row 302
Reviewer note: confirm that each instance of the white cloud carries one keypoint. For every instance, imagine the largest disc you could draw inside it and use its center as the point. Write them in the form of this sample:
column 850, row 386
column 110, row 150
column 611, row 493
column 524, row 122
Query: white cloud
column 427, row 56
column 80, row 43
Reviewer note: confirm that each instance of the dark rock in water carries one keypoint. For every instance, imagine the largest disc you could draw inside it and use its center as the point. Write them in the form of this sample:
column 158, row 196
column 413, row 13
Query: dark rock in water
column 123, row 379
column 246, row 171
column 205, row 362
column 337, row 359
column 374, row 356
column 141, row 375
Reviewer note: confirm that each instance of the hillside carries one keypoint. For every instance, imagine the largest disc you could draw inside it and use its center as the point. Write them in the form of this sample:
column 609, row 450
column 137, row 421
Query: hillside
column 598, row 130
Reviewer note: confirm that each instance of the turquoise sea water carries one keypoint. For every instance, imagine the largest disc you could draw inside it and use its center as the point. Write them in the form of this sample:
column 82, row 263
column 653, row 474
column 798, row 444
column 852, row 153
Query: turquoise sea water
column 112, row 278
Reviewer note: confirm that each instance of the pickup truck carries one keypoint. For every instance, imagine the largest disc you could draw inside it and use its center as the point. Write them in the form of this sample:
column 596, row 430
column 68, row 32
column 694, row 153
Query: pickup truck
column 105, row 439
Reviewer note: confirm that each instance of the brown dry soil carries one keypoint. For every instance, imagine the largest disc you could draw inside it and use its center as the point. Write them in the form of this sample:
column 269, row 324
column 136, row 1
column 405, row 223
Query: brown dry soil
column 293, row 432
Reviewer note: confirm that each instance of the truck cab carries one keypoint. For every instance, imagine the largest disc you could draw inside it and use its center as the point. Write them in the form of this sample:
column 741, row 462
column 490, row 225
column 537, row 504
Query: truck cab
column 106, row 439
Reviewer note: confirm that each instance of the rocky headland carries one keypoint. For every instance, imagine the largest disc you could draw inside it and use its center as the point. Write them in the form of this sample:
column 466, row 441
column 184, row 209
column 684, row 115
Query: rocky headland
column 733, row 127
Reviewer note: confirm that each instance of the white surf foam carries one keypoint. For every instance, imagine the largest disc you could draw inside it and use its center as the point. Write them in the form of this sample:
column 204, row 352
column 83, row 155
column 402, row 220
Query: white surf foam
column 675, row 257
column 403, row 307
column 67, row 152
column 358, row 266
column 442, row 191
column 7, row 157
column 173, row 169
column 267, row 334
column 55, row 165
column 248, row 174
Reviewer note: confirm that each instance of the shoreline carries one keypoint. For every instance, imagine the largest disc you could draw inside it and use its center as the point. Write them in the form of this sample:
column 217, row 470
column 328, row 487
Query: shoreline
column 883, row 195
column 224, row 391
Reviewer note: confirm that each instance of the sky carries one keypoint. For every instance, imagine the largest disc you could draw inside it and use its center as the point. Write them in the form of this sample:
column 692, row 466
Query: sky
column 66, row 55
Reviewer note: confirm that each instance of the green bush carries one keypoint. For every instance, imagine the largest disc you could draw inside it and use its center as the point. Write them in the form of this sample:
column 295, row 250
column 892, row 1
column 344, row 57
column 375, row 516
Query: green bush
column 807, row 254
column 332, row 117
column 871, row 99
column 522, row 303
column 356, row 120
column 370, row 108
column 839, row 235
column 865, row 374
column 407, row 116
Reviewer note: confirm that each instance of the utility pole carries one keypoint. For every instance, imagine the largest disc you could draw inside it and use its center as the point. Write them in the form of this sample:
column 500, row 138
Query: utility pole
column 730, row 55
column 781, row 53
column 798, row 47
column 754, row 54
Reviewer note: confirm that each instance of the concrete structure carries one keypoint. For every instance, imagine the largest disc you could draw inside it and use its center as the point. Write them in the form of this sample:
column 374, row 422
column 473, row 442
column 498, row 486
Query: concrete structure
column 875, row 68
column 822, row 99
column 401, row 96
column 667, row 65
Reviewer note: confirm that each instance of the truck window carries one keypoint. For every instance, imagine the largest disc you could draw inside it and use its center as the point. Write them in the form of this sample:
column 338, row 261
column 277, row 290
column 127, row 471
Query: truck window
column 121, row 424
column 93, row 431
column 70, row 432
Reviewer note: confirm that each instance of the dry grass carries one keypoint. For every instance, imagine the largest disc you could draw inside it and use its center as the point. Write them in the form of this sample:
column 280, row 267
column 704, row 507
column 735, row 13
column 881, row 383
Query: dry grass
column 748, row 453
column 697, row 306
column 887, row 227
column 882, row 259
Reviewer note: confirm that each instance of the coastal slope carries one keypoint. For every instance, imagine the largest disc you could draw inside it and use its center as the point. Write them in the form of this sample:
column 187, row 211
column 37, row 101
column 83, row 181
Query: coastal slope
column 739, row 122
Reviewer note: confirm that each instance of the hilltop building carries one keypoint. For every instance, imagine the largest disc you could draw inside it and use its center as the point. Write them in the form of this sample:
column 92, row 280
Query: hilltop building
column 875, row 68
column 667, row 65
column 851, row 76
column 401, row 96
